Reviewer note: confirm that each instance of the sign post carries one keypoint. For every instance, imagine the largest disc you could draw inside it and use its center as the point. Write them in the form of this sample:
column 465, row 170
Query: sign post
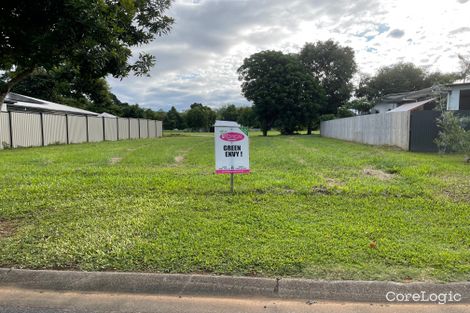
column 232, row 154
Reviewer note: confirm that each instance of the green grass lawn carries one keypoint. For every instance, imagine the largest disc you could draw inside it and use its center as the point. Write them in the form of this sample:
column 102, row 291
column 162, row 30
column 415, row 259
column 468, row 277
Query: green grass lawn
column 312, row 207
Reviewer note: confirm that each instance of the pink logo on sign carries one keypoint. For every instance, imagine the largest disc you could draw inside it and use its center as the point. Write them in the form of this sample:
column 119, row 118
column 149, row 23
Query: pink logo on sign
column 231, row 136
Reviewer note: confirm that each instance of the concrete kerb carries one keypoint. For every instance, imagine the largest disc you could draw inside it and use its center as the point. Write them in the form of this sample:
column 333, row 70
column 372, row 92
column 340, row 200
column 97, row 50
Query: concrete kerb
column 222, row 286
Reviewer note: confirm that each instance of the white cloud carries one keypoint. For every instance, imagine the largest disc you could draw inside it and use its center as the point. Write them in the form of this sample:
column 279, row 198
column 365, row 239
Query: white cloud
column 197, row 61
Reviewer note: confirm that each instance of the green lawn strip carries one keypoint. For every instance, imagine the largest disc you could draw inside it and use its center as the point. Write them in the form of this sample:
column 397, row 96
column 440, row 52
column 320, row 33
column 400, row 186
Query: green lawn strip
column 311, row 208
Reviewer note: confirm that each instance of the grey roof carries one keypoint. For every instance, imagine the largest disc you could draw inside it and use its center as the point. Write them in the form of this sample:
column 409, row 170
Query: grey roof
column 414, row 95
column 411, row 106
column 21, row 101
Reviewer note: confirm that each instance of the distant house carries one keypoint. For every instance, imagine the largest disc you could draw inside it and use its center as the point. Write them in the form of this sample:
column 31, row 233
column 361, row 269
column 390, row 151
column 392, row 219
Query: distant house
column 458, row 96
column 407, row 120
column 18, row 103
column 395, row 100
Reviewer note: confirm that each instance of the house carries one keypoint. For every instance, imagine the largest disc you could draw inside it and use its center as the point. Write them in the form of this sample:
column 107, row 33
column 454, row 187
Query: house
column 19, row 103
column 393, row 101
column 458, row 96
column 458, row 99
column 408, row 120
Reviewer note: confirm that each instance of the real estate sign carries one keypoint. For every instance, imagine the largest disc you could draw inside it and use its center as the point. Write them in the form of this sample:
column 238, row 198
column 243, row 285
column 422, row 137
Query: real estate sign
column 232, row 154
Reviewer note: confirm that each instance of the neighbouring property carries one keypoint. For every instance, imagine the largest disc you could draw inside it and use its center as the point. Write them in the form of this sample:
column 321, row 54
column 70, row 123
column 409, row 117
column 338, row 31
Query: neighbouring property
column 30, row 122
column 406, row 120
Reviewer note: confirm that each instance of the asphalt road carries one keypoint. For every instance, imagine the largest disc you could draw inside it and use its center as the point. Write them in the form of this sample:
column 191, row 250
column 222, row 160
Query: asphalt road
column 30, row 301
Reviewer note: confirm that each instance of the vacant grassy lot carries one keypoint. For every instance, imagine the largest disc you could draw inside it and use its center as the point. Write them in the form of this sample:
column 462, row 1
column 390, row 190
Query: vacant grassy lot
column 312, row 207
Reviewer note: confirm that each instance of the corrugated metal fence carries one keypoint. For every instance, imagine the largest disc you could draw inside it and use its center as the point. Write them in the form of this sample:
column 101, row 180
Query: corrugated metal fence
column 415, row 131
column 18, row 129
column 389, row 129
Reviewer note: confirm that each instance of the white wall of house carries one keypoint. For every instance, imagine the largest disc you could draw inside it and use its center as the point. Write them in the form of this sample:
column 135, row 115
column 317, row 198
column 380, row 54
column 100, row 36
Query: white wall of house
column 453, row 98
column 458, row 97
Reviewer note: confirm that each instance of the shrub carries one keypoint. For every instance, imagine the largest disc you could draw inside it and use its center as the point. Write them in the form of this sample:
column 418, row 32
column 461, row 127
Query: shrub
column 452, row 135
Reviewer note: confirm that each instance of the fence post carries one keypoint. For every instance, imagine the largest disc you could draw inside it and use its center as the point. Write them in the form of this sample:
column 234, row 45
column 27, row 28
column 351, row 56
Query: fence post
column 41, row 115
column 87, row 134
column 104, row 130
column 148, row 130
column 117, row 128
column 67, row 128
column 10, row 121
column 129, row 127
column 138, row 123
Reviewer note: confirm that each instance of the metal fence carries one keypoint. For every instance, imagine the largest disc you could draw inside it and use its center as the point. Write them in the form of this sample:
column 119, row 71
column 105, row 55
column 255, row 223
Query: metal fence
column 415, row 131
column 389, row 129
column 20, row 129
column 424, row 130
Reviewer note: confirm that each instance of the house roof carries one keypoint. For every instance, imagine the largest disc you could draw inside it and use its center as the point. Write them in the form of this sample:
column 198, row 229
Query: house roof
column 411, row 106
column 413, row 95
column 458, row 83
column 21, row 101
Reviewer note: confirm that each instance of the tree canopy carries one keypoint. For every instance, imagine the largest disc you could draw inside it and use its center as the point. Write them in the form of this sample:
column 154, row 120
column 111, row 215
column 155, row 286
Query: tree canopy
column 63, row 86
column 284, row 94
column 174, row 120
column 200, row 117
column 92, row 37
column 400, row 77
column 333, row 66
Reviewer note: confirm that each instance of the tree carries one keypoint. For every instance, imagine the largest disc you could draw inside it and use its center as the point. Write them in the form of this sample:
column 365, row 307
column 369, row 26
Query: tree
column 93, row 37
column 333, row 66
column 64, row 86
column 247, row 117
column 454, row 132
column 360, row 105
column 173, row 119
column 228, row 113
column 200, row 117
column 464, row 67
column 401, row 77
column 283, row 92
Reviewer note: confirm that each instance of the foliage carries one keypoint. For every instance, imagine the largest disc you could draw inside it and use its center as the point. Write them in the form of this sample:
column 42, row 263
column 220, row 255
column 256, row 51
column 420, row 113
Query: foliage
column 344, row 111
column 174, row 120
column 453, row 136
column 247, row 117
column 464, row 67
column 400, row 77
column 327, row 117
column 309, row 209
column 62, row 85
column 283, row 92
column 228, row 113
column 243, row 115
column 333, row 66
column 94, row 38
column 361, row 105
column 200, row 117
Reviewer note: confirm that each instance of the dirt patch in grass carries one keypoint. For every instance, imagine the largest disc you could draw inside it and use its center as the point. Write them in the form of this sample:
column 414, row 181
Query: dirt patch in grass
column 179, row 159
column 115, row 160
column 7, row 228
column 331, row 182
column 377, row 174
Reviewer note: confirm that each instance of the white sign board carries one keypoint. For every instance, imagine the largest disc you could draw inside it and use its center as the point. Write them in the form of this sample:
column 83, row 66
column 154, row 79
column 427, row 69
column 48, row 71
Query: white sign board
column 232, row 154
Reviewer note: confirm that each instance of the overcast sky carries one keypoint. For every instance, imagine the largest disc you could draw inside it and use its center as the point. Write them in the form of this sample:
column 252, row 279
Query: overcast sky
column 197, row 61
